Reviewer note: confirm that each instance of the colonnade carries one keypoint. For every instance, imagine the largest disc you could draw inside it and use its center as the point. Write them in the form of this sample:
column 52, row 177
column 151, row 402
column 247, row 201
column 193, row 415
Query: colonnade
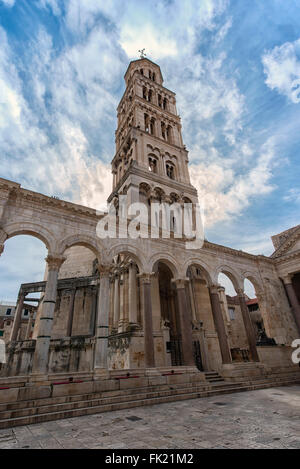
column 120, row 288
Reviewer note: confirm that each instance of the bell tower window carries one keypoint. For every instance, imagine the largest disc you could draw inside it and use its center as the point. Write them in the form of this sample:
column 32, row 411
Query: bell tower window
column 152, row 165
column 170, row 171
column 163, row 130
column 146, row 122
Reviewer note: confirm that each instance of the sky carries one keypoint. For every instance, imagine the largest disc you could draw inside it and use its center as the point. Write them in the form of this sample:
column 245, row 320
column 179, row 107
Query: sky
column 235, row 68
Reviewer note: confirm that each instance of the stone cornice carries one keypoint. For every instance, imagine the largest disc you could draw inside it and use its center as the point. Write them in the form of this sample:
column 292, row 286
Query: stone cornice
column 287, row 244
column 236, row 252
column 18, row 193
column 287, row 257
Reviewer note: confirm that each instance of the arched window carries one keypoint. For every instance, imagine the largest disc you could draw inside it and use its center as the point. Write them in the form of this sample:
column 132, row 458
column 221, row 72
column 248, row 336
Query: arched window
column 170, row 170
column 141, row 71
column 169, row 133
column 163, row 130
column 144, row 92
column 146, row 122
column 153, row 76
column 165, row 103
column 152, row 164
column 159, row 100
column 150, row 96
column 152, row 126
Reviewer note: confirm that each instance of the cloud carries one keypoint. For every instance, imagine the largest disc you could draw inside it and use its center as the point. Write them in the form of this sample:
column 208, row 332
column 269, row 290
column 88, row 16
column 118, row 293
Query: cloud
column 224, row 193
column 8, row 3
column 293, row 195
column 282, row 67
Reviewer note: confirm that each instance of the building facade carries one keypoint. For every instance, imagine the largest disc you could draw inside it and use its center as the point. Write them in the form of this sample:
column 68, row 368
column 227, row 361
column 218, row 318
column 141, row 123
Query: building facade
column 147, row 303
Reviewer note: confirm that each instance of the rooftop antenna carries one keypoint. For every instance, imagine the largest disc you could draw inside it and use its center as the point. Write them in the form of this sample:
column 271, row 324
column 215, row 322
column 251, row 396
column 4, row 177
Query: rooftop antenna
column 143, row 55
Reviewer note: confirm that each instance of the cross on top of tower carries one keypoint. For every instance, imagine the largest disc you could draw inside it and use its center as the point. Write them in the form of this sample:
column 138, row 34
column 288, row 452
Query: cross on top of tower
column 143, row 54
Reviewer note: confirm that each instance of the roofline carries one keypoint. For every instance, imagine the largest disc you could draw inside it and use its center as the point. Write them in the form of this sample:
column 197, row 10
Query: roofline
column 138, row 60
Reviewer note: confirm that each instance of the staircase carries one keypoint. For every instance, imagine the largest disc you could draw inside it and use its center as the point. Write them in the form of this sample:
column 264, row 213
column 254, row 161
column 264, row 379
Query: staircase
column 53, row 408
column 213, row 377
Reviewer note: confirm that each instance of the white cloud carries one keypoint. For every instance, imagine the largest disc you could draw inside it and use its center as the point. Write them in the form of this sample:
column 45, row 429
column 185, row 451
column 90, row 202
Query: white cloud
column 8, row 3
column 224, row 193
column 293, row 195
column 282, row 67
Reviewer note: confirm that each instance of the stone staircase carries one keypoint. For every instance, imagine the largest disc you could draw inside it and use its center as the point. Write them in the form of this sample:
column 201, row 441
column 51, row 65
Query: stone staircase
column 213, row 377
column 33, row 411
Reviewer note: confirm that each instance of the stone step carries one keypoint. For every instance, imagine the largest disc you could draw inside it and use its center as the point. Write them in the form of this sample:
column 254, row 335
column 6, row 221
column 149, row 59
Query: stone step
column 97, row 395
column 47, row 405
column 78, row 408
column 54, row 407
column 38, row 418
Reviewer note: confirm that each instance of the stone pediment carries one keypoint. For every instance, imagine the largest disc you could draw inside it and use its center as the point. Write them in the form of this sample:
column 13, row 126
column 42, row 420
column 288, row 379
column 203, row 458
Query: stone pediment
column 287, row 242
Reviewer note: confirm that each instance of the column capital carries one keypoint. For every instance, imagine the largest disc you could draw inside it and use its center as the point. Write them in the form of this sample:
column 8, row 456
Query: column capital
column 54, row 261
column 105, row 270
column 240, row 292
column 180, row 282
column 214, row 288
column 145, row 278
column 287, row 279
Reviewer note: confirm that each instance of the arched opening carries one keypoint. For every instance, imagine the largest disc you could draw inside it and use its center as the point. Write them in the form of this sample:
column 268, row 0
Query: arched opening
column 254, row 302
column 234, row 317
column 22, row 264
column 202, row 319
column 170, row 323
column 76, row 304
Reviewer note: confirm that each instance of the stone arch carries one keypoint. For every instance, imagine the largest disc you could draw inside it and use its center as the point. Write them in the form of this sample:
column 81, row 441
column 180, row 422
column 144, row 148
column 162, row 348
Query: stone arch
column 31, row 229
column 231, row 274
column 203, row 267
column 254, row 280
column 137, row 256
column 81, row 240
column 166, row 258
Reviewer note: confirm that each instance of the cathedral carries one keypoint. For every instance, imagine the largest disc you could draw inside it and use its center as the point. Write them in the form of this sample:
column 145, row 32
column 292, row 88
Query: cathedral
column 145, row 310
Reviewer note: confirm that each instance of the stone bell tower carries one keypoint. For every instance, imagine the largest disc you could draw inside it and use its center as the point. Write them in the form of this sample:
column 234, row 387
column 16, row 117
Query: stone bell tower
column 151, row 161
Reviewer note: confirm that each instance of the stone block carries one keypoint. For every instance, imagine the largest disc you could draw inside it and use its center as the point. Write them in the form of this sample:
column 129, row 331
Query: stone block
column 177, row 379
column 133, row 383
column 9, row 395
column 72, row 388
column 34, row 392
column 106, row 385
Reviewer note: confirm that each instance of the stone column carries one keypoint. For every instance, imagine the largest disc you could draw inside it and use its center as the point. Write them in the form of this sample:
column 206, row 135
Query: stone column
column 132, row 295
column 219, row 324
column 191, row 293
column 248, row 326
column 148, row 326
column 40, row 359
column 71, row 313
column 17, row 318
column 116, row 303
column 101, row 345
column 185, row 322
column 293, row 299
column 29, row 325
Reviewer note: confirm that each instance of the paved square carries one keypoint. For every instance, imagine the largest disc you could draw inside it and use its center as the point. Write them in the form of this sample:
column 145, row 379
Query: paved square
column 267, row 418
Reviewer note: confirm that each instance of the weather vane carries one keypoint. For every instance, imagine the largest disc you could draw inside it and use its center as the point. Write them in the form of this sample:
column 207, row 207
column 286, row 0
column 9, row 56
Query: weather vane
column 143, row 55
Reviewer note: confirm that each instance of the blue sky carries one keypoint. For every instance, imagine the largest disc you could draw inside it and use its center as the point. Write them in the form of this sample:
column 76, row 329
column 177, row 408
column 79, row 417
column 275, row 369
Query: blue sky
column 235, row 67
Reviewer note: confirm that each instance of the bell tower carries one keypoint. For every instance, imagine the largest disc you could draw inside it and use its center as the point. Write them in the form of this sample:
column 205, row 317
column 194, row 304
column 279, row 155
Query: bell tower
column 151, row 161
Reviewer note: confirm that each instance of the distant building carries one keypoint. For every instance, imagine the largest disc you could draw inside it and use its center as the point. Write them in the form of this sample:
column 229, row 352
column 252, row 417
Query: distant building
column 7, row 314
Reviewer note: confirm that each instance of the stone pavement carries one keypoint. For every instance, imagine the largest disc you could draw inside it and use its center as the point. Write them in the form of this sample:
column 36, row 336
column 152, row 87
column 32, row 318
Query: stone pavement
column 266, row 418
